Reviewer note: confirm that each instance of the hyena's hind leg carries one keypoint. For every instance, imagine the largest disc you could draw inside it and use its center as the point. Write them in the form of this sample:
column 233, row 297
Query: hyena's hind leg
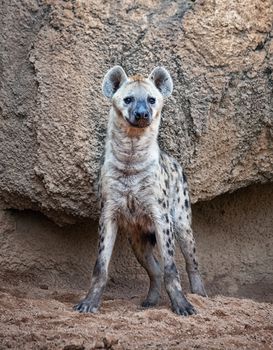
column 143, row 244
column 186, row 241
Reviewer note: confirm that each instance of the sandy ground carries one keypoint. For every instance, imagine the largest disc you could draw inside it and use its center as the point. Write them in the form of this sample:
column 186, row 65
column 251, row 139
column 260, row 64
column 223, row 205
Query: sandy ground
column 42, row 318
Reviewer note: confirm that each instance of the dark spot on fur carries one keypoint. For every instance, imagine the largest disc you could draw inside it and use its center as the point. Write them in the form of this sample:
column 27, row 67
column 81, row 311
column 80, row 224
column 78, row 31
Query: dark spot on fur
column 177, row 189
column 186, row 203
column 184, row 192
column 170, row 241
column 195, row 262
column 97, row 268
column 184, row 178
column 194, row 250
column 101, row 248
column 180, row 217
column 151, row 238
column 166, row 183
column 102, row 239
column 167, row 232
column 131, row 205
column 168, row 245
column 167, row 218
column 171, row 270
column 164, row 191
column 175, row 166
column 178, row 199
column 164, row 205
column 170, row 252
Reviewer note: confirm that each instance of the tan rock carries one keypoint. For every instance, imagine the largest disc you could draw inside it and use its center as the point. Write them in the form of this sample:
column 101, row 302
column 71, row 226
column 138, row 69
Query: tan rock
column 218, row 122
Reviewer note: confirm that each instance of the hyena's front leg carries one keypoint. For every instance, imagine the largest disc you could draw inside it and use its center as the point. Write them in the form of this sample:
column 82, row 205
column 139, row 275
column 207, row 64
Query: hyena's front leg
column 107, row 237
column 165, row 239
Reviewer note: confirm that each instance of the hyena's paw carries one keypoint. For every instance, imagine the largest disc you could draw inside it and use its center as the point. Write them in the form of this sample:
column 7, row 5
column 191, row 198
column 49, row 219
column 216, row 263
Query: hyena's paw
column 152, row 299
column 200, row 290
column 197, row 286
column 85, row 306
column 184, row 309
column 148, row 303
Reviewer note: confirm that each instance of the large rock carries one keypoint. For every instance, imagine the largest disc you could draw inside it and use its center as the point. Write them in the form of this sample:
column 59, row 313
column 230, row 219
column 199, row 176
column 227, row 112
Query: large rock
column 218, row 122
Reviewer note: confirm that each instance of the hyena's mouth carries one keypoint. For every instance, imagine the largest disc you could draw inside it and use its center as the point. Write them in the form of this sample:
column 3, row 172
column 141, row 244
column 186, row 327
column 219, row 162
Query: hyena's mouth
column 141, row 123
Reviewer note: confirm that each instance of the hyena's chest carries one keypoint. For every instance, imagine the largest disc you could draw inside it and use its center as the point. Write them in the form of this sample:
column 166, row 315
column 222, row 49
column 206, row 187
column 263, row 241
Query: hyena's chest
column 132, row 199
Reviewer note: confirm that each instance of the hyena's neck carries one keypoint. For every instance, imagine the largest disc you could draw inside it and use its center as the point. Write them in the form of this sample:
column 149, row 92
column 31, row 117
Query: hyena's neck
column 131, row 151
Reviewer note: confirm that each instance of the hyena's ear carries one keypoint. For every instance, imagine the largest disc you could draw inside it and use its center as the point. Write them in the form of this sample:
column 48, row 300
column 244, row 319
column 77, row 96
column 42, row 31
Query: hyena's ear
column 113, row 80
column 162, row 80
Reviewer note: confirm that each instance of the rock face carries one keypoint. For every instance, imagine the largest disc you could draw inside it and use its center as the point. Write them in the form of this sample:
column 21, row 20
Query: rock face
column 218, row 123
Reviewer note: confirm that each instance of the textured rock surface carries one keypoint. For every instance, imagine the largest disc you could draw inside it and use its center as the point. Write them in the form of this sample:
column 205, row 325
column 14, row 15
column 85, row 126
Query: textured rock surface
column 218, row 122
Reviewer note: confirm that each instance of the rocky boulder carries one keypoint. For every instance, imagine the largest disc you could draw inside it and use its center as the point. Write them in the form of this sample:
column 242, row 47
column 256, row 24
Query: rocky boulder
column 218, row 123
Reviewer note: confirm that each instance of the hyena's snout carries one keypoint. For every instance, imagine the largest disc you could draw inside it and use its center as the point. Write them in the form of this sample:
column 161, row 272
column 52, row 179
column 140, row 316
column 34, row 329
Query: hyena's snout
column 141, row 115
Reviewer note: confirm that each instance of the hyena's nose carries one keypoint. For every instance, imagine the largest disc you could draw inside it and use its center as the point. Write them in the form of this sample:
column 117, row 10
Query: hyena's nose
column 141, row 111
column 141, row 115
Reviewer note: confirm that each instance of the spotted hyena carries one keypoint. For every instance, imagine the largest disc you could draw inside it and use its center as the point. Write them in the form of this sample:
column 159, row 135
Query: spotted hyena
column 144, row 191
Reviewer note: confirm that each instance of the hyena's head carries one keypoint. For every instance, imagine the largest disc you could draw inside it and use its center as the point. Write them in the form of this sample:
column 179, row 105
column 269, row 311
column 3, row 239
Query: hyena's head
column 137, row 100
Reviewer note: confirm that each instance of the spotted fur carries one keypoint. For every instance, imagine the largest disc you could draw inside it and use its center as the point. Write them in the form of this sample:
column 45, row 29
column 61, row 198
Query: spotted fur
column 144, row 191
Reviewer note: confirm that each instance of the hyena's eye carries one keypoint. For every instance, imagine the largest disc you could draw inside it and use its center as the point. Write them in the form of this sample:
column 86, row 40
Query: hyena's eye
column 128, row 100
column 151, row 100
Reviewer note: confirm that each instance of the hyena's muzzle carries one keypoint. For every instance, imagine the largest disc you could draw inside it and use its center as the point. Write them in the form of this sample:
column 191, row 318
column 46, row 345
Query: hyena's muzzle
column 140, row 113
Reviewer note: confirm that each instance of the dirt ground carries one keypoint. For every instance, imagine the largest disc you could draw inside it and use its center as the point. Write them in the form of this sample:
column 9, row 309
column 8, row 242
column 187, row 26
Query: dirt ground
column 42, row 318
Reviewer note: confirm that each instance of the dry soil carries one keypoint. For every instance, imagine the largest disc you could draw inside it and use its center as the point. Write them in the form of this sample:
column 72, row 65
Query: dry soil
column 38, row 317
